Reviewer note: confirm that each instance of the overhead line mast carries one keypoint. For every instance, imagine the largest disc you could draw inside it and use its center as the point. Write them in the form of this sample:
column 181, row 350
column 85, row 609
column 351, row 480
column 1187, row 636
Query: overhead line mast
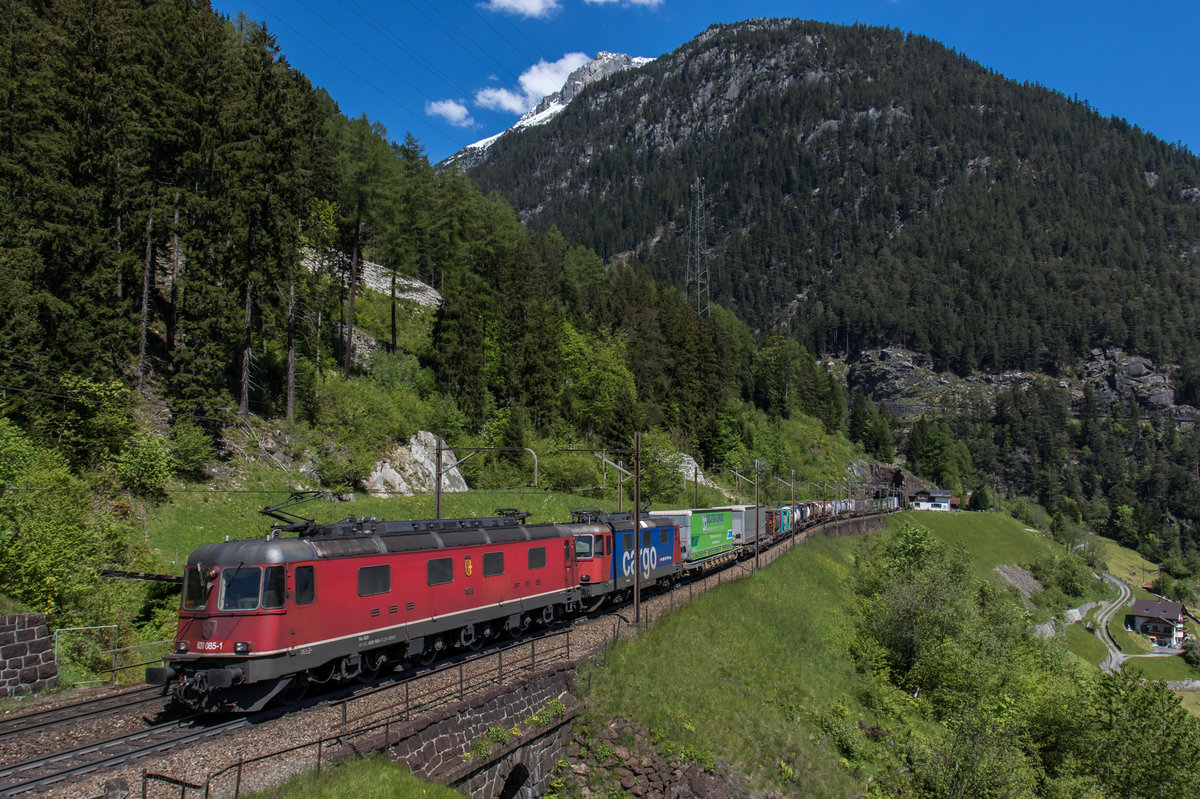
column 697, row 281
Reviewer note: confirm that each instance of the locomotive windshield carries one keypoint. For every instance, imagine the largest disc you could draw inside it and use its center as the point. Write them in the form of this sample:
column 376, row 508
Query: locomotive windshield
column 195, row 589
column 583, row 547
column 239, row 588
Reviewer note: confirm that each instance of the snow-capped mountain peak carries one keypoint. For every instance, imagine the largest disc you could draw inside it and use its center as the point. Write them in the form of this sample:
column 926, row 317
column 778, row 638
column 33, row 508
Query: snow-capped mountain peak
column 603, row 65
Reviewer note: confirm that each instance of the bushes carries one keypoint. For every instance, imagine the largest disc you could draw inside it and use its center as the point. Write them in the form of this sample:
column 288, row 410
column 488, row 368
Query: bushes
column 144, row 465
column 50, row 545
column 1068, row 575
column 191, row 448
column 365, row 418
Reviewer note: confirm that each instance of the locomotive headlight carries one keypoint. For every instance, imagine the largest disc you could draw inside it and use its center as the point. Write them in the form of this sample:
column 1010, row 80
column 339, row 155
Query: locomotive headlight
column 181, row 647
column 241, row 648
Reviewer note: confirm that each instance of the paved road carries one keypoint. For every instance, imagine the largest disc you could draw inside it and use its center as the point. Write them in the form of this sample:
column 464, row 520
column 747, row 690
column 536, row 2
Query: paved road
column 1107, row 611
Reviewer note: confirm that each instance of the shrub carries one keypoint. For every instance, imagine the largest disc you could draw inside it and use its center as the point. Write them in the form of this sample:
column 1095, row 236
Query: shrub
column 190, row 447
column 144, row 465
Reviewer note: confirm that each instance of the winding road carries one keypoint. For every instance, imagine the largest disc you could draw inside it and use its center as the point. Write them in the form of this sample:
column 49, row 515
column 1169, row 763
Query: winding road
column 1109, row 609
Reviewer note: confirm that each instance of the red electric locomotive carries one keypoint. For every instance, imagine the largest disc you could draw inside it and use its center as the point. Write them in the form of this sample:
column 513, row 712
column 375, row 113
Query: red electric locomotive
column 263, row 619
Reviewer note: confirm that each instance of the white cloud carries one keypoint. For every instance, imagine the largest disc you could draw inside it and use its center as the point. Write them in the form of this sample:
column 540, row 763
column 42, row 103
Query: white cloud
column 452, row 111
column 503, row 100
column 647, row 3
column 536, row 82
column 525, row 8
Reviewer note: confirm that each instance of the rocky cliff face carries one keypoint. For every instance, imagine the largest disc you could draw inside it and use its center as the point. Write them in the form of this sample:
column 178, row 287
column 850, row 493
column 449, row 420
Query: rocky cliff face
column 909, row 384
column 411, row 469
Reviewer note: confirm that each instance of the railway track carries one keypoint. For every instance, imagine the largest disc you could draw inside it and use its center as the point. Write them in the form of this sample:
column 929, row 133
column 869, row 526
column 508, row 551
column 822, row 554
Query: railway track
column 39, row 773
column 26, row 723
column 115, row 755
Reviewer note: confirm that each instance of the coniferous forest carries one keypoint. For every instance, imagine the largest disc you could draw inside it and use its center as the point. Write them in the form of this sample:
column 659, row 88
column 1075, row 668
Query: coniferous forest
column 184, row 226
column 865, row 188
column 185, row 222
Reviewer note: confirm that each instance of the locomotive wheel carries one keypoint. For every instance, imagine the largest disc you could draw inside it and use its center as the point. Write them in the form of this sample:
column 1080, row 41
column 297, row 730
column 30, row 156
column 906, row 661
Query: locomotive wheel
column 294, row 692
column 520, row 628
column 430, row 654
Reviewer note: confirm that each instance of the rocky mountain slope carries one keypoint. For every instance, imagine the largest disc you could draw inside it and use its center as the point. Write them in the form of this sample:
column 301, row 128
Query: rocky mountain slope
column 603, row 65
column 909, row 384
column 867, row 188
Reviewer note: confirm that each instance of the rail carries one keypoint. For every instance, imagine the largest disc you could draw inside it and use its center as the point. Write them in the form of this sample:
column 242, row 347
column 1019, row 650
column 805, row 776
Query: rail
column 521, row 658
column 460, row 679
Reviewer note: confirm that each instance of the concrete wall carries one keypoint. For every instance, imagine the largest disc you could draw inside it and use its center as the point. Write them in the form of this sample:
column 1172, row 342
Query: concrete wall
column 26, row 655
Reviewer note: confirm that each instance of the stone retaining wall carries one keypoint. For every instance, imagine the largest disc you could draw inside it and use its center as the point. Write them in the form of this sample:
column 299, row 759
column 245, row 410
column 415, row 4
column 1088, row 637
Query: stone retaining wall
column 435, row 746
column 26, row 655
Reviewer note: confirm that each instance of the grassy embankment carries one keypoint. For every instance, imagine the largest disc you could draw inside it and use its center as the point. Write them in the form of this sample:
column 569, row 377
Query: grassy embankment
column 754, row 672
column 373, row 778
column 778, row 664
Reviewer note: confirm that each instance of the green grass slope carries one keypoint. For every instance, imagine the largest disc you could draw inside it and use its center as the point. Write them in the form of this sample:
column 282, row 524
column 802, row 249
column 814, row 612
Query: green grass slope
column 371, row 778
column 989, row 539
column 758, row 673
column 746, row 672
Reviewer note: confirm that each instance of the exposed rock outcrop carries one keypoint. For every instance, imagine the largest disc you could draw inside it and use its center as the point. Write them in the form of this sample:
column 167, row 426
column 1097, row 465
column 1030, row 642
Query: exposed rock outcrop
column 410, row 469
column 908, row 383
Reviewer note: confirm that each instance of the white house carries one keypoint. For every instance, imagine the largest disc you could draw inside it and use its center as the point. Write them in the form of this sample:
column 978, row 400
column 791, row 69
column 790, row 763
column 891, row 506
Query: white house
column 1162, row 621
column 932, row 500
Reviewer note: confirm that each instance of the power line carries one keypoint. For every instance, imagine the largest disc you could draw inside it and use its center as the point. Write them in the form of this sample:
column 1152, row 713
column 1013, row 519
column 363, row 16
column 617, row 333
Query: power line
column 356, row 74
column 387, row 34
column 482, row 56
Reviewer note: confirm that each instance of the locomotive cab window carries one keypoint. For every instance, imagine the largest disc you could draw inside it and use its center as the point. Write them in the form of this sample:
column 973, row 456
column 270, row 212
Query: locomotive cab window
column 239, row 588
column 493, row 564
column 374, row 580
column 440, row 571
column 583, row 547
column 274, row 589
column 306, row 588
column 663, row 536
column 537, row 558
column 627, row 541
column 600, row 545
column 195, row 589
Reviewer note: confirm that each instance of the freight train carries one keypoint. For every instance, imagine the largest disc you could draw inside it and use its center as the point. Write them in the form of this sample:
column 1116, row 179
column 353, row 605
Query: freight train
column 265, row 620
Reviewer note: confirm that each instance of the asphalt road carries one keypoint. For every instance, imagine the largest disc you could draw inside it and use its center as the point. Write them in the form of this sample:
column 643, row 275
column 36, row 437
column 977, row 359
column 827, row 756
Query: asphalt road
column 1109, row 609
column 1115, row 656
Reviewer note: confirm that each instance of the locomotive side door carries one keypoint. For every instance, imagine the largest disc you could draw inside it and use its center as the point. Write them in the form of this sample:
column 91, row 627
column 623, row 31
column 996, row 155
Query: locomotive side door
column 302, row 593
column 570, row 568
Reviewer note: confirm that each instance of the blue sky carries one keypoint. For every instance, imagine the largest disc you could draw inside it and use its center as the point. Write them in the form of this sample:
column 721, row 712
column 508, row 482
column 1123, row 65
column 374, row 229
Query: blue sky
column 456, row 71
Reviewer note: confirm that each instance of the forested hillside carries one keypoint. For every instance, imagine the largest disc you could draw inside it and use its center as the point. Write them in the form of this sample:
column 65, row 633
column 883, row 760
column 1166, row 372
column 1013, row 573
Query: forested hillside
column 184, row 221
column 865, row 188
column 183, row 226
column 869, row 187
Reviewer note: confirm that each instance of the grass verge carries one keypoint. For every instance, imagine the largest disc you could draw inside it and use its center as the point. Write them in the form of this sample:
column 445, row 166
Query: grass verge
column 370, row 778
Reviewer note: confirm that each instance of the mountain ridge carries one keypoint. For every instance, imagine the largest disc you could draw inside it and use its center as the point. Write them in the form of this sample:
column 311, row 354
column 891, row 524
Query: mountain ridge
column 869, row 187
column 603, row 65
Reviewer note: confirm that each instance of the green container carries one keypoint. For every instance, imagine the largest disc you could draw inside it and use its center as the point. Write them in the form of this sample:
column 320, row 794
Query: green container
column 712, row 533
column 703, row 533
